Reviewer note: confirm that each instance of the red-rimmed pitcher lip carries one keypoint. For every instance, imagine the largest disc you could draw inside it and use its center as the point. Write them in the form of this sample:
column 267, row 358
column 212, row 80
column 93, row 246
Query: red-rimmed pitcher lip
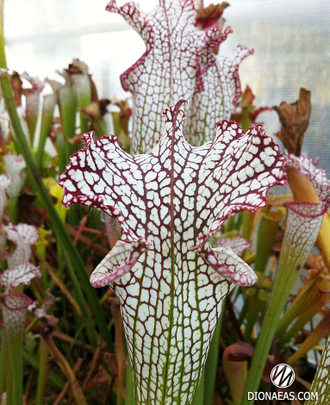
column 18, row 300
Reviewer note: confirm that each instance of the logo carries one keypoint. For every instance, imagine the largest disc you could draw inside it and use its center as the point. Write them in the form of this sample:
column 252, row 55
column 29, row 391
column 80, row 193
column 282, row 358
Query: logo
column 282, row 375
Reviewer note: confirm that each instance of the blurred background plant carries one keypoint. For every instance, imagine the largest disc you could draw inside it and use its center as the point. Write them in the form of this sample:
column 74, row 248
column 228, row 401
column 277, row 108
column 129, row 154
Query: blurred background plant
column 69, row 345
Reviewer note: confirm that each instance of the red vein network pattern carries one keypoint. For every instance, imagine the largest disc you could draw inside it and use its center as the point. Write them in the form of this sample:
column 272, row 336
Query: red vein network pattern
column 303, row 224
column 178, row 64
column 321, row 385
column 238, row 244
column 318, row 177
column 168, row 278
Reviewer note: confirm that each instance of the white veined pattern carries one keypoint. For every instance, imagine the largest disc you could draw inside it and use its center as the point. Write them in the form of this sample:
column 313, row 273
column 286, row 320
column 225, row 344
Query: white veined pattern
column 169, row 202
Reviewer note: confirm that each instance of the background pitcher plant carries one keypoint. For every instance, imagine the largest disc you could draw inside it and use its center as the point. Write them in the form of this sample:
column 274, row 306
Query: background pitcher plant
column 178, row 64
